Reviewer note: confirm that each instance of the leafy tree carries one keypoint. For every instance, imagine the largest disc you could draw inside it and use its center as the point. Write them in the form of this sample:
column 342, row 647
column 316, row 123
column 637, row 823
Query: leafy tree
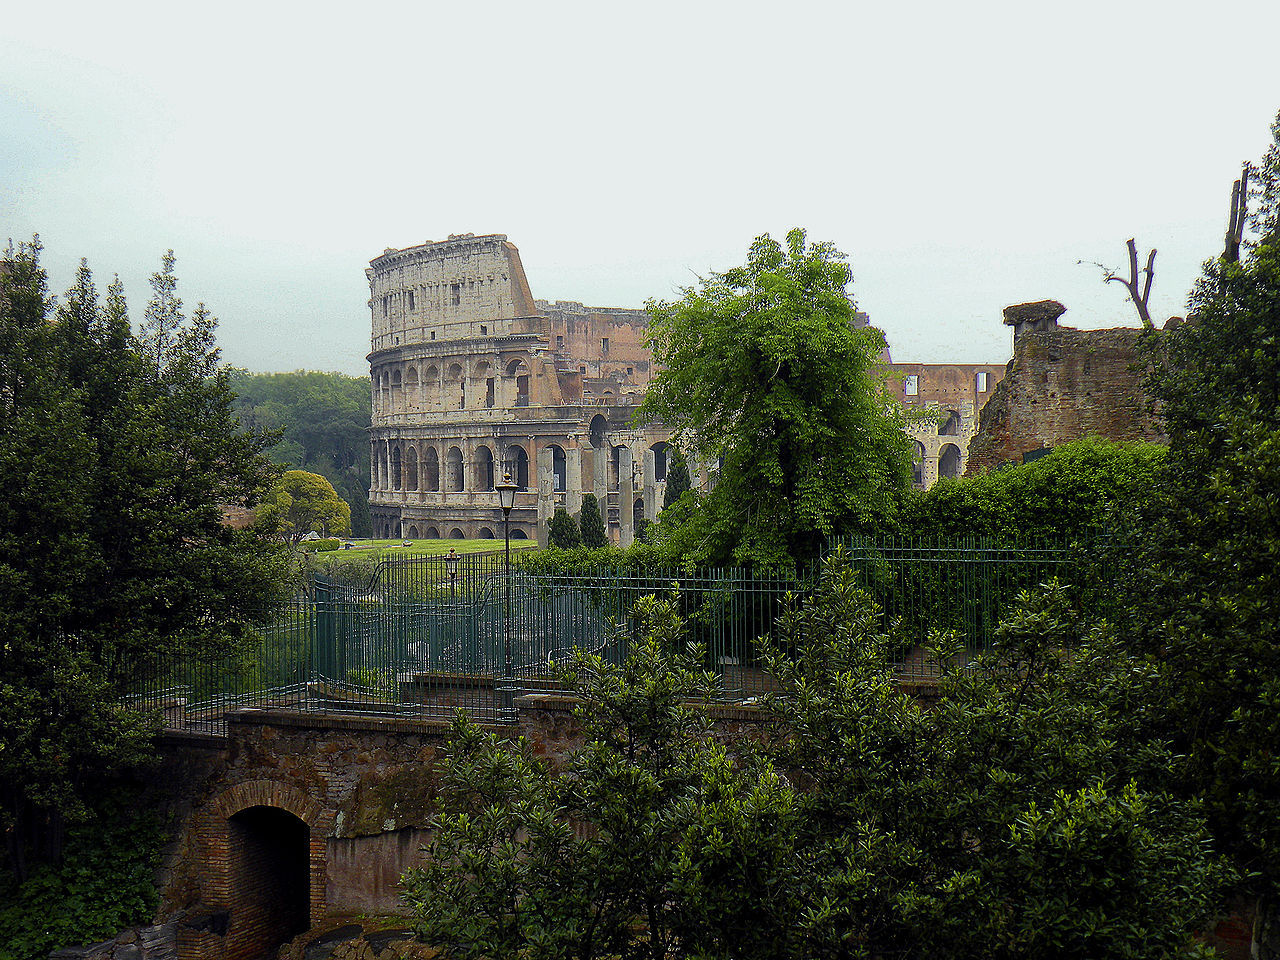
column 591, row 523
column 1020, row 817
column 115, row 460
column 662, row 817
column 323, row 423
column 564, row 532
column 764, row 369
column 678, row 479
column 300, row 503
column 1206, row 598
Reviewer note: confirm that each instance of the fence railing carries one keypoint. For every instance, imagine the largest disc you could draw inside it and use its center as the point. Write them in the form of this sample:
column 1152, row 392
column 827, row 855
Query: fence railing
column 427, row 635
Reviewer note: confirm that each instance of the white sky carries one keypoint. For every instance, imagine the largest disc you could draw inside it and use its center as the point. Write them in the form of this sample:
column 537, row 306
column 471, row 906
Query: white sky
column 965, row 156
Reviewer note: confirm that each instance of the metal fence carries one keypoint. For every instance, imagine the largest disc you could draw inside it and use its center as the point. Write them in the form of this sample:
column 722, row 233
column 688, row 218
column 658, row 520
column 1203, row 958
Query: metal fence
column 425, row 636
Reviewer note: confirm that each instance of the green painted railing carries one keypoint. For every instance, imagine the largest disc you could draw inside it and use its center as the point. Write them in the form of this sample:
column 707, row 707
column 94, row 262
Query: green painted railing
column 425, row 636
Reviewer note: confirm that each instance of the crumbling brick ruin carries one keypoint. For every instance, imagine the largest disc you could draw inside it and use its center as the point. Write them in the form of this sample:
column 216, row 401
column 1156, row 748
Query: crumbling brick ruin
column 1062, row 384
column 473, row 377
column 956, row 392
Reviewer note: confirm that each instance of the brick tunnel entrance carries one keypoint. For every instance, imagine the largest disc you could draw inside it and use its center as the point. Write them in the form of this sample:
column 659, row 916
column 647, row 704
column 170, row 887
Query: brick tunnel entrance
column 270, row 881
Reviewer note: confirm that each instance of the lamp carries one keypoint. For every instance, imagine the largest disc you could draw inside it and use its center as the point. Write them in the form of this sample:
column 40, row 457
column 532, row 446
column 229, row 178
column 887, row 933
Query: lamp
column 451, row 564
column 507, row 499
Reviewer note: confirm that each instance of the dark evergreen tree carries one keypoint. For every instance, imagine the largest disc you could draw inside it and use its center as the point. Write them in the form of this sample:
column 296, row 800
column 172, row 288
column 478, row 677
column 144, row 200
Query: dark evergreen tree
column 591, row 523
column 564, row 531
column 116, row 456
column 678, row 480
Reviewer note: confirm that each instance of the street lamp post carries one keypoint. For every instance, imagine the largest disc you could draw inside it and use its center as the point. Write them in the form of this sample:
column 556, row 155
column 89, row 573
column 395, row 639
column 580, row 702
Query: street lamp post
column 451, row 564
column 507, row 499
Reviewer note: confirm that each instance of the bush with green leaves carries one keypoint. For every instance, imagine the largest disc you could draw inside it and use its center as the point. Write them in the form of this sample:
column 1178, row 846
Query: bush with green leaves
column 104, row 883
column 1023, row 816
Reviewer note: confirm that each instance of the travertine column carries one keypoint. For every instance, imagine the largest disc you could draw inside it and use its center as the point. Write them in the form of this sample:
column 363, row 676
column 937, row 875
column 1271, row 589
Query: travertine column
column 546, row 483
column 650, row 486
column 626, row 498
column 600, row 464
column 573, row 479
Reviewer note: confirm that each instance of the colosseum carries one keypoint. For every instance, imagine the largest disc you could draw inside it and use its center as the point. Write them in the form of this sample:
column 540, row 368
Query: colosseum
column 472, row 378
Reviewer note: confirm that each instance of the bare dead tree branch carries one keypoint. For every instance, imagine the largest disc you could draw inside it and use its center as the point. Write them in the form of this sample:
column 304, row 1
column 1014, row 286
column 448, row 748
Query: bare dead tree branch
column 1239, row 214
column 1140, row 300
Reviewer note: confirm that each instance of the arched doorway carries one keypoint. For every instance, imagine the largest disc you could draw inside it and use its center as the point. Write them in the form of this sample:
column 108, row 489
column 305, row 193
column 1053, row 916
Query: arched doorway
column 518, row 466
column 269, row 879
column 949, row 461
column 559, row 469
column 484, row 469
column 951, row 428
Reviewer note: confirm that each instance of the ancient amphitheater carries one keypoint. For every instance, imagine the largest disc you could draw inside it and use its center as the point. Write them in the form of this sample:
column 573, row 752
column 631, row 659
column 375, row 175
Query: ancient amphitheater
column 473, row 377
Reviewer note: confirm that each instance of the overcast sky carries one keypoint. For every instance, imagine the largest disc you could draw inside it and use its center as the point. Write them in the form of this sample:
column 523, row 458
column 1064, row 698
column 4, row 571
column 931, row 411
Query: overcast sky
column 964, row 155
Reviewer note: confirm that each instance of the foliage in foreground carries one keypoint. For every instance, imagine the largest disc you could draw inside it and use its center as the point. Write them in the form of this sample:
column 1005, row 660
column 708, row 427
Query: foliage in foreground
column 116, row 452
column 1020, row 818
column 104, row 883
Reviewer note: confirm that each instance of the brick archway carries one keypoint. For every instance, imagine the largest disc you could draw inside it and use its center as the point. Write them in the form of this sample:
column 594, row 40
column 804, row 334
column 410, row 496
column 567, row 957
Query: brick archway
column 216, row 833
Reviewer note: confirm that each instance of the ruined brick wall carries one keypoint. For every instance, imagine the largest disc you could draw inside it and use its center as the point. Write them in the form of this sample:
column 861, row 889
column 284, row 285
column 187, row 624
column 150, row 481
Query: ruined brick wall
column 1063, row 384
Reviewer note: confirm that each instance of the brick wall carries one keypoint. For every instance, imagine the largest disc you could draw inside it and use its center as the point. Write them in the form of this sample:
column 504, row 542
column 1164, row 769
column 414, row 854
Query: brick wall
column 1063, row 384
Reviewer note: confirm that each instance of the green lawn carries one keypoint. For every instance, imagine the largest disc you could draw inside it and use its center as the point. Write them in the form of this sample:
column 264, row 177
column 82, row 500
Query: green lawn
column 422, row 548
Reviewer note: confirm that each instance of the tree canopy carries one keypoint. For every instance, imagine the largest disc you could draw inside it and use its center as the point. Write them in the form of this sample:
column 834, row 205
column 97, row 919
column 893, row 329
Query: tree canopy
column 117, row 453
column 564, row 532
column 300, row 503
column 323, row 423
column 765, row 370
column 591, row 523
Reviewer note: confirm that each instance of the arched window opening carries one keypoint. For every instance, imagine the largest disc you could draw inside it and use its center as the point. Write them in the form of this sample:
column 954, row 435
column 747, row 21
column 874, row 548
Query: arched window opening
column 517, row 464
column 396, row 391
column 431, row 469
column 484, row 375
column 637, row 516
column 952, row 427
column 457, row 534
column 518, row 534
column 411, row 469
column 453, row 470
column 484, row 533
column 412, row 389
column 397, row 473
column 456, row 378
column 599, row 427
column 413, row 533
column 659, row 460
column 484, row 469
column 518, row 371
column 431, row 533
column 559, row 468
column 949, row 461
column 917, row 463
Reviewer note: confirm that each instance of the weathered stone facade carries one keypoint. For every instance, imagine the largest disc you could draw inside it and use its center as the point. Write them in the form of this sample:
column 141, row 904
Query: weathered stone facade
column 1062, row 384
column 473, row 377
column 957, row 392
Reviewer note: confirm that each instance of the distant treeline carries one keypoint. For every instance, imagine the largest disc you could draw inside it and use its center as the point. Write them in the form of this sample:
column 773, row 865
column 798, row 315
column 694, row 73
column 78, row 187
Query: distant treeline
column 324, row 419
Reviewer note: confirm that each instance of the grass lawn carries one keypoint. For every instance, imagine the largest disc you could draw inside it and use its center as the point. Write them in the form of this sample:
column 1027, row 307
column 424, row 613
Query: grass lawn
column 421, row 548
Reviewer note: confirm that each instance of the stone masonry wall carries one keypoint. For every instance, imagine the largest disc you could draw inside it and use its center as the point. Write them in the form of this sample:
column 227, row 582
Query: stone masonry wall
column 1063, row 384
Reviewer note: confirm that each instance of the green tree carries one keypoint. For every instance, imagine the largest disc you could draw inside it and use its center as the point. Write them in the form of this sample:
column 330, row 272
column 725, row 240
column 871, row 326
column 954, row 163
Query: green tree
column 115, row 460
column 648, row 843
column 678, row 479
column 323, row 423
column 591, row 523
column 1020, row 817
column 300, row 503
column 764, row 369
column 564, row 532
column 1206, row 598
